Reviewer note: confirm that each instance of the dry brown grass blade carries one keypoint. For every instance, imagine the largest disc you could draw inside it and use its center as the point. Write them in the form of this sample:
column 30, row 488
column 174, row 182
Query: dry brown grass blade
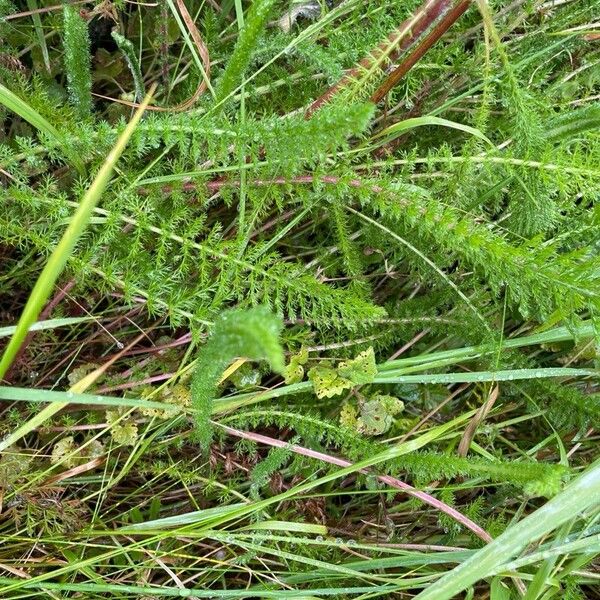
column 202, row 51
column 411, row 60
column 45, row 9
column 88, row 466
column 469, row 433
column 397, row 41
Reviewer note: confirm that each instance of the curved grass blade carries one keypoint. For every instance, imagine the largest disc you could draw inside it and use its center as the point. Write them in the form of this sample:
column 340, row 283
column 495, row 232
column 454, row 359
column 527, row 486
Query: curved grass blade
column 397, row 129
column 48, row 324
column 582, row 494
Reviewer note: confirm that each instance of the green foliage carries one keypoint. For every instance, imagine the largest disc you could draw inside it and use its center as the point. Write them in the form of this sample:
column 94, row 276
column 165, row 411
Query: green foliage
column 377, row 413
column 123, row 429
column 424, row 237
column 263, row 471
column 128, row 51
column 373, row 416
column 294, row 371
column 14, row 464
column 252, row 334
column 329, row 382
column 533, row 478
column 360, row 370
column 77, row 60
column 254, row 24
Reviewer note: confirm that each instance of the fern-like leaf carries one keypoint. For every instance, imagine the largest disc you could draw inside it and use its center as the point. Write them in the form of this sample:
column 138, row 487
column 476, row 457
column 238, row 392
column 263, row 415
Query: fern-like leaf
column 253, row 334
column 77, row 61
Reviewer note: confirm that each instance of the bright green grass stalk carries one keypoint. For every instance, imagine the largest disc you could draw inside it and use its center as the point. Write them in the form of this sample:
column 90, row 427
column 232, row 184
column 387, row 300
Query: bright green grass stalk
column 48, row 324
column 43, row 286
column 78, row 61
column 254, row 24
column 577, row 497
column 397, row 129
column 32, row 395
column 173, row 592
column 32, row 5
column 205, row 407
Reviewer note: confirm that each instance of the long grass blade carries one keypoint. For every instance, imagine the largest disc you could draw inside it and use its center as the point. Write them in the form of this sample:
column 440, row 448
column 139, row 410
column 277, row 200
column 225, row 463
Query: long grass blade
column 579, row 496
column 53, row 268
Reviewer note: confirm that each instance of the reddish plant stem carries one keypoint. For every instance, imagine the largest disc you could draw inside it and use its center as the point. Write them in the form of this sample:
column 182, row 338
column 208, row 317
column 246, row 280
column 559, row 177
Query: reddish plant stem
column 39, row 11
column 133, row 384
column 400, row 39
column 103, row 330
column 387, row 479
column 217, row 184
column 184, row 339
column 411, row 60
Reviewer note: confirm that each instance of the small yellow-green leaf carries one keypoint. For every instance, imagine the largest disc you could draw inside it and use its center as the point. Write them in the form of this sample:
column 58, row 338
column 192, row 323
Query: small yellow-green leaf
column 78, row 373
column 327, row 382
column 377, row 414
column 122, row 431
column 61, row 451
column 373, row 419
column 294, row 372
column 359, row 370
column 348, row 415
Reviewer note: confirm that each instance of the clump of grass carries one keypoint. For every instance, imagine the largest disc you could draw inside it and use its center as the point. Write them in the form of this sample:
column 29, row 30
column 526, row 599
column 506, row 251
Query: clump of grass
column 319, row 320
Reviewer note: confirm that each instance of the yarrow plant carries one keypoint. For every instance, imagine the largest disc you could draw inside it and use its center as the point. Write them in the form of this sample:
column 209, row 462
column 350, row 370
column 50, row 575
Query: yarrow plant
column 299, row 299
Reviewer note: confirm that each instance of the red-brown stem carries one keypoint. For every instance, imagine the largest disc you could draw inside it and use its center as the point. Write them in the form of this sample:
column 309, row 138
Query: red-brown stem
column 411, row 60
column 184, row 339
column 402, row 37
column 69, row 356
column 217, row 184
column 133, row 384
column 387, row 479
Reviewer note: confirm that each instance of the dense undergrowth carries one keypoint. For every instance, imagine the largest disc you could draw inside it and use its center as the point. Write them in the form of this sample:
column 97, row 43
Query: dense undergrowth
column 321, row 321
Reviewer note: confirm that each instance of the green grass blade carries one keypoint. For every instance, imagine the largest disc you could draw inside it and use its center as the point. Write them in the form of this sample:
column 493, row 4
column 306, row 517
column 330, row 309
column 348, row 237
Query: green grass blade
column 558, row 334
column 396, row 130
column 480, row 376
column 580, row 495
column 32, row 5
column 43, row 286
column 48, row 324
column 139, row 591
column 17, row 394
